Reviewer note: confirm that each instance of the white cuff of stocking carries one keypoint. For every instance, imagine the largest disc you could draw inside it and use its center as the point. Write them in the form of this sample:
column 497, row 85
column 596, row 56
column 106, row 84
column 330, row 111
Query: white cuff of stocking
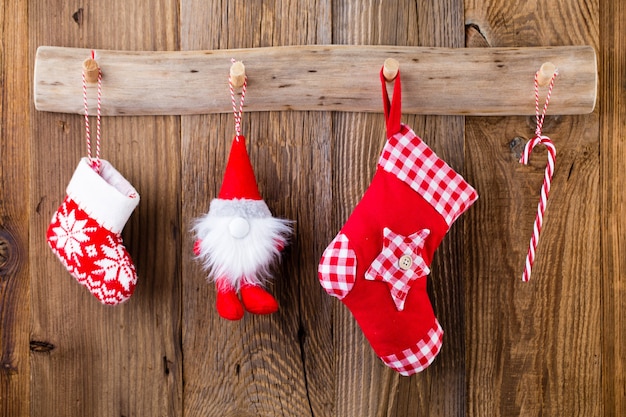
column 107, row 197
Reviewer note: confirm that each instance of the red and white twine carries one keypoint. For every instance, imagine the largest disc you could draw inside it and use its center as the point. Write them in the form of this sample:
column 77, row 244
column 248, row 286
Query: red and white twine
column 95, row 162
column 547, row 179
column 237, row 112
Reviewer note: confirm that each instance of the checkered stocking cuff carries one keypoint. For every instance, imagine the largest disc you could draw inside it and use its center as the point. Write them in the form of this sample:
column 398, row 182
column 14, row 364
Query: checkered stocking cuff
column 407, row 157
column 417, row 358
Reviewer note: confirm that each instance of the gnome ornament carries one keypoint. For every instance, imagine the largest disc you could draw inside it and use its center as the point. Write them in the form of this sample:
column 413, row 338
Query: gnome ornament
column 239, row 239
column 378, row 263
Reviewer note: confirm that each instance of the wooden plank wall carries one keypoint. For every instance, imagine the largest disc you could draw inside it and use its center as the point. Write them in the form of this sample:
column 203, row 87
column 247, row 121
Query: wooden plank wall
column 551, row 347
column 100, row 360
column 279, row 364
column 533, row 348
column 612, row 205
column 15, row 111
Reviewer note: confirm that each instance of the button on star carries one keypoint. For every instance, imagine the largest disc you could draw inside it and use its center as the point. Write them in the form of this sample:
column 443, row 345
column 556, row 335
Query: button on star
column 405, row 262
column 399, row 263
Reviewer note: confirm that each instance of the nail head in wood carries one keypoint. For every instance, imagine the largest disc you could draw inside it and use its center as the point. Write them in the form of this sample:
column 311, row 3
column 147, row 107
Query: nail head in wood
column 390, row 69
column 545, row 73
column 91, row 69
column 237, row 74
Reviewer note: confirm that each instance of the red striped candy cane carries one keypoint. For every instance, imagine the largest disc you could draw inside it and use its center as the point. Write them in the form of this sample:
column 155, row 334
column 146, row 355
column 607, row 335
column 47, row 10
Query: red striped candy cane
column 547, row 178
column 543, row 201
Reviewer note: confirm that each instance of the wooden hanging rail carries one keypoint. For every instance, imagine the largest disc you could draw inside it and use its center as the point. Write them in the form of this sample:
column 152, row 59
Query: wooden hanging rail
column 465, row 81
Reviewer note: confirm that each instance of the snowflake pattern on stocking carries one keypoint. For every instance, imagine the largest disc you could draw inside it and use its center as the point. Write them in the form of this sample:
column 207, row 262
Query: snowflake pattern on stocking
column 71, row 233
column 94, row 256
column 116, row 266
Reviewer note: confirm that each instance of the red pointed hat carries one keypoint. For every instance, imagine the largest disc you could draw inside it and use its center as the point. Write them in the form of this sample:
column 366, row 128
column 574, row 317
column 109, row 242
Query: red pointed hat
column 239, row 180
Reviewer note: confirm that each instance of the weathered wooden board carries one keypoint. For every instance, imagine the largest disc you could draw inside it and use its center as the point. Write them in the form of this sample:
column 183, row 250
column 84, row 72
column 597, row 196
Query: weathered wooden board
column 277, row 365
column 482, row 81
column 554, row 346
column 375, row 390
column 533, row 348
column 104, row 361
column 613, row 205
column 15, row 111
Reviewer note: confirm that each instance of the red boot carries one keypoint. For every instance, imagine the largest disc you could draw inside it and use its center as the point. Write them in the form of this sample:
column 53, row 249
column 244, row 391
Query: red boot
column 196, row 247
column 228, row 304
column 257, row 300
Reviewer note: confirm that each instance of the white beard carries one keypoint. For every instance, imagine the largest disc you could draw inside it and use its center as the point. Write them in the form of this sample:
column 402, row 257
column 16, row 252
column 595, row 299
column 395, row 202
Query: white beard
column 248, row 258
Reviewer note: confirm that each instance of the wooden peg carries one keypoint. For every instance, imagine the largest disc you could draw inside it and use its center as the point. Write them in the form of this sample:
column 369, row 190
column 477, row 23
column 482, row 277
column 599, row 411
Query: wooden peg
column 237, row 74
column 390, row 69
column 546, row 72
column 91, row 69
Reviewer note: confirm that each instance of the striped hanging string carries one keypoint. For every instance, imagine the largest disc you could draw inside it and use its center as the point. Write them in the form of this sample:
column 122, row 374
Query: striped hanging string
column 237, row 112
column 95, row 162
column 547, row 179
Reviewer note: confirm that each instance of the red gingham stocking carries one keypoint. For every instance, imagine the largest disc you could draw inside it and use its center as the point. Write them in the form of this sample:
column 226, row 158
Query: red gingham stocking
column 85, row 231
column 378, row 263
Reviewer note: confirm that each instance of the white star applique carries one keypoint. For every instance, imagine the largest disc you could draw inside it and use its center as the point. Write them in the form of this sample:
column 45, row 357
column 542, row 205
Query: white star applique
column 399, row 263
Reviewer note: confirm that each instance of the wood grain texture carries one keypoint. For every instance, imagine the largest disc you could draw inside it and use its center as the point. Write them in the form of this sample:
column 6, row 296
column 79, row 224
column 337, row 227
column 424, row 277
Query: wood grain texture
column 276, row 365
column 523, row 24
column 517, row 332
column 612, row 205
column 372, row 389
column 533, row 348
column 104, row 361
column 324, row 78
column 15, row 109
column 551, row 347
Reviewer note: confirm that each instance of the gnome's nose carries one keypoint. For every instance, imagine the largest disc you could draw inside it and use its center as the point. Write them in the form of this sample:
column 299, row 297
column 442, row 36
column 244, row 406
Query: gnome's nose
column 239, row 227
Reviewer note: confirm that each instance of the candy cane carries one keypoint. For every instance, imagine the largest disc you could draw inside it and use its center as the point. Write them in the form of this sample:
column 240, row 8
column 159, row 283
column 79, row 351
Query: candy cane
column 543, row 201
column 547, row 178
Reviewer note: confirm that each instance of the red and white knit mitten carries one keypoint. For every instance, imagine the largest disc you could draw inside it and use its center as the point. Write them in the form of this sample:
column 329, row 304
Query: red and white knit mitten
column 85, row 231
column 378, row 263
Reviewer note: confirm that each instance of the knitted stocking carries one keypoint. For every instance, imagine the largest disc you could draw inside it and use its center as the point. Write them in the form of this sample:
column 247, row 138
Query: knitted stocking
column 85, row 231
